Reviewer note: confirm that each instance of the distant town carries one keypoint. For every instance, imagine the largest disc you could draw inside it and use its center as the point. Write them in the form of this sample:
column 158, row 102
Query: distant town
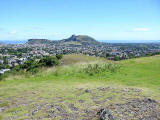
column 12, row 55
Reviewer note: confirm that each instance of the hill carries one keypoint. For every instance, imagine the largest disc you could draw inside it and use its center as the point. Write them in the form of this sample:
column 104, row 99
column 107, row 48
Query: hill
column 38, row 41
column 73, row 40
column 81, row 39
column 81, row 87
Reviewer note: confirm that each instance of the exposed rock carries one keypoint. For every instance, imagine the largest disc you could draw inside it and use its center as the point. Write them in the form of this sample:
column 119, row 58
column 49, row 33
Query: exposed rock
column 34, row 111
column 87, row 91
column 146, row 109
column 81, row 101
column 104, row 88
column 149, row 100
column 72, row 107
column 104, row 114
column 1, row 109
column 50, row 114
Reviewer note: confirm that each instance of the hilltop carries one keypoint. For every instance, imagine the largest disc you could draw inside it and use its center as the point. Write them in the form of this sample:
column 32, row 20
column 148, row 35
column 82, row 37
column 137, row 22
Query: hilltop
column 80, row 39
column 81, row 86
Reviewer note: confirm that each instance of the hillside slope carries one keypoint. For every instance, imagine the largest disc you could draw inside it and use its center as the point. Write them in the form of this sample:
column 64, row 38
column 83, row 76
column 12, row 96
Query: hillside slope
column 81, row 39
column 81, row 86
column 73, row 40
column 38, row 41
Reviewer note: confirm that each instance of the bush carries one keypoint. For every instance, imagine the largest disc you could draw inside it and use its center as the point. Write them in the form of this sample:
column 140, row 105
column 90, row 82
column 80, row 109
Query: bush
column 33, row 65
column 92, row 69
column 59, row 56
column 30, row 66
column 1, row 77
column 48, row 61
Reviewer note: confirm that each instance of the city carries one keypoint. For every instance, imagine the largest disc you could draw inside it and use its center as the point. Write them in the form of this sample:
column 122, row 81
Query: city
column 16, row 54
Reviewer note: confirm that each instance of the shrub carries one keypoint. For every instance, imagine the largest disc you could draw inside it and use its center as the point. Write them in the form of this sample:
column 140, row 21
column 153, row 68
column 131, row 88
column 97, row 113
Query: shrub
column 48, row 61
column 92, row 69
column 1, row 77
column 33, row 65
column 59, row 56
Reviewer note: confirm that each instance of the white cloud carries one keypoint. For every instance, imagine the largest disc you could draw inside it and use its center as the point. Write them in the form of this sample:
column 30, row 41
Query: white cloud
column 140, row 29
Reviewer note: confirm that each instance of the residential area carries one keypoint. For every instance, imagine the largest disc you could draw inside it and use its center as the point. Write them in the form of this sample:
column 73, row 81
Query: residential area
column 12, row 55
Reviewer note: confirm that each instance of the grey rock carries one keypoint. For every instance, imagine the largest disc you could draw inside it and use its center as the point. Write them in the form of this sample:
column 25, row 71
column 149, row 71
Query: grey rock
column 104, row 114
column 1, row 109
column 87, row 91
column 34, row 111
column 72, row 107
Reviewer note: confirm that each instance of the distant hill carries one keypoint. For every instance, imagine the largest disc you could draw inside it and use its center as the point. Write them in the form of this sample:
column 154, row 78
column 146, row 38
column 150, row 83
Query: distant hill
column 73, row 40
column 38, row 41
column 80, row 39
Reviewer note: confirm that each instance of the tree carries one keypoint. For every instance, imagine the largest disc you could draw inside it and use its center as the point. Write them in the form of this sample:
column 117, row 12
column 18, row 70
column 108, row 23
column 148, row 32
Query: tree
column 116, row 58
column 33, row 65
column 48, row 61
column 107, row 55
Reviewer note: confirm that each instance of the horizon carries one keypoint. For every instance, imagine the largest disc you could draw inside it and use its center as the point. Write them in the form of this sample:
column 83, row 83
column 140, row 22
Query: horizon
column 104, row 41
column 103, row 20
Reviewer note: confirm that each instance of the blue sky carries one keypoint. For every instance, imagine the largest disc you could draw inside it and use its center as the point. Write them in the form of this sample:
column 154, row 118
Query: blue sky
column 101, row 19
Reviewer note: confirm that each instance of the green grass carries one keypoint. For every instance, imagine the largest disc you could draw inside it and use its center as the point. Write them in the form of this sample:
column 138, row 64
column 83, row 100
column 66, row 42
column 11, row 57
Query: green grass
column 4, row 104
column 66, row 84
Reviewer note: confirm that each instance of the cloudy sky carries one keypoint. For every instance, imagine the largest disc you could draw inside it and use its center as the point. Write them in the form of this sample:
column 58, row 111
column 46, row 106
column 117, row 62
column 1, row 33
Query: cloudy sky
column 101, row 19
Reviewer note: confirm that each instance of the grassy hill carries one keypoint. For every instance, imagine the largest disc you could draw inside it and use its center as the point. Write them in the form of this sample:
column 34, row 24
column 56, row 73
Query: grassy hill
column 79, row 87
column 38, row 41
column 73, row 40
column 80, row 40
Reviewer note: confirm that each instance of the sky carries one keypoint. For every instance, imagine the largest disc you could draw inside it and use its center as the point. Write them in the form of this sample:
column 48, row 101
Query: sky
column 100, row 19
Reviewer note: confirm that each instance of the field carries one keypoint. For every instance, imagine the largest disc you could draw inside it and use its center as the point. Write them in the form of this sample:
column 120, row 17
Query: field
column 80, row 86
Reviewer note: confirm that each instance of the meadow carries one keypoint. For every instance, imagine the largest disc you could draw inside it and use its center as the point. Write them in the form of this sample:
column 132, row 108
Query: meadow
column 78, row 87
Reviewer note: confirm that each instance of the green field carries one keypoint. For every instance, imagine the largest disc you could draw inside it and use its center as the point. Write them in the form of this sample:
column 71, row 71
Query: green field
column 68, row 91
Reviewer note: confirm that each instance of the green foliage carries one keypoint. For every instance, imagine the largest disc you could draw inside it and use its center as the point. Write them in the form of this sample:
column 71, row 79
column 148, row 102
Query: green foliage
column 33, row 65
column 107, row 55
column 92, row 69
column 4, row 104
column 3, row 66
column 116, row 58
column 5, row 75
column 18, row 52
column 48, row 61
column 59, row 56
column 28, row 64
column 1, row 77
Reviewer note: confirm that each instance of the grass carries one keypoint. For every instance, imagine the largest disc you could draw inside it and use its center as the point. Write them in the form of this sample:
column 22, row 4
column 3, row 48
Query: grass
column 4, row 104
column 66, row 84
